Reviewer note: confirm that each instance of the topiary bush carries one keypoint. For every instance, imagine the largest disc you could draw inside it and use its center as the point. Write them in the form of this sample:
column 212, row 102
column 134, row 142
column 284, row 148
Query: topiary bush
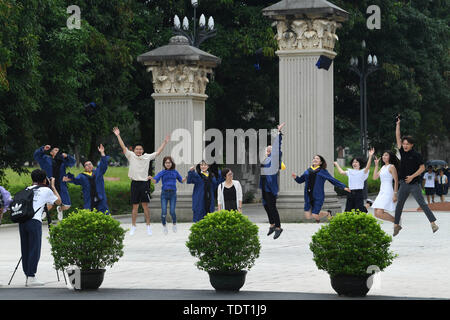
column 86, row 239
column 350, row 243
column 224, row 241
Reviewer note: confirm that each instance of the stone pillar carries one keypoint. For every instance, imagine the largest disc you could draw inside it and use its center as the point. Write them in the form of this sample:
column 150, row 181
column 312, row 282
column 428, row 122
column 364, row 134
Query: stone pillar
column 305, row 31
column 180, row 76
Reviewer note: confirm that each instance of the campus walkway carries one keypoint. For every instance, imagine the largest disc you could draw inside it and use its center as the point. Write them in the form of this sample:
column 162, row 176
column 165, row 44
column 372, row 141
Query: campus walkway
column 160, row 266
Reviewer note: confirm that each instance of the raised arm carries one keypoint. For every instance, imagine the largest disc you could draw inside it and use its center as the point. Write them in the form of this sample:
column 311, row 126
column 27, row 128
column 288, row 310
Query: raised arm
column 69, row 161
column 339, row 168
column 369, row 162
column 376, row 174
column 122, row 145
column 103, row 166
column 398, row 136
column 163, row 145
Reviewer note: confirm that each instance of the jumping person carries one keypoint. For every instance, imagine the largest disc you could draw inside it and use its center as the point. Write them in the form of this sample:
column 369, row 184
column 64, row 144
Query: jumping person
column 388, row 174
column 93, row 184
column 5, row 200
column 429, row 184
column 168, row 177
column 411, row 167
column 268, row 183
column 138, row 173
column 229, row 192
column 55, row 166
column 31, row 230
column 205, row 183
column 356, row 178
column 314, row 194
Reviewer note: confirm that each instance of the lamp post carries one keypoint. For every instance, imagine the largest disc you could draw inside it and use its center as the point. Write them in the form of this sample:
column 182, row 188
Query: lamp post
column 195, row 37
column 363, row 72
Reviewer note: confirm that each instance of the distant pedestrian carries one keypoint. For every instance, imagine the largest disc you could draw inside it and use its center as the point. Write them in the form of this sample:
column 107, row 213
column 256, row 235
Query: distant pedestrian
column 428, row 182
column 441, row 185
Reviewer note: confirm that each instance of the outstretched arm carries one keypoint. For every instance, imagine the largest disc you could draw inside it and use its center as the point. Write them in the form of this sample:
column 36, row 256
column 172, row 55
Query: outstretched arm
column 122, row 145
column 393, row 172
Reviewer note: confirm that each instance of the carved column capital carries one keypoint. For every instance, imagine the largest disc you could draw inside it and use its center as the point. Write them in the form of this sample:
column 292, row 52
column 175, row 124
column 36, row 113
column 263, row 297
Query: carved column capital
column 305, row 34
column 175, row 77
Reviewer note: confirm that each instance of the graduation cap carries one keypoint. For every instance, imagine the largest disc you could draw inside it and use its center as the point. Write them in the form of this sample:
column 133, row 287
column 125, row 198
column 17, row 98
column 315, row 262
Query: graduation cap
column 324, row 62
column 258, row 55
column 90, row 109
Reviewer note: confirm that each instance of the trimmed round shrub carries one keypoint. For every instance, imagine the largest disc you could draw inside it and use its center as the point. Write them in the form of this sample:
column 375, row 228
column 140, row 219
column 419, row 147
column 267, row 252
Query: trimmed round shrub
column 86, row 239
column 350, row 243
column 224, row 241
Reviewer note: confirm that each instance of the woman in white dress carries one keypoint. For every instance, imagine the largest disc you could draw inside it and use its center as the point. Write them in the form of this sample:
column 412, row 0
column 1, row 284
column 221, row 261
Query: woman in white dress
column 387, row 196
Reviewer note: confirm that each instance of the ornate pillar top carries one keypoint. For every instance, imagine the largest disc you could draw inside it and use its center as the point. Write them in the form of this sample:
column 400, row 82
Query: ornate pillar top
column 179, row 68
column 306, row 24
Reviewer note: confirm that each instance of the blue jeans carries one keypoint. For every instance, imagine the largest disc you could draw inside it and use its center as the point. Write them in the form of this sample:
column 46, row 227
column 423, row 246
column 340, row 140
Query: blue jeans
column 166, row 196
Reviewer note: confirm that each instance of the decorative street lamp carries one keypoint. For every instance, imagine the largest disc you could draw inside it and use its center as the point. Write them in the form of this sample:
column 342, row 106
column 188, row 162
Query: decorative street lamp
column 363, row 73
column 197, row 36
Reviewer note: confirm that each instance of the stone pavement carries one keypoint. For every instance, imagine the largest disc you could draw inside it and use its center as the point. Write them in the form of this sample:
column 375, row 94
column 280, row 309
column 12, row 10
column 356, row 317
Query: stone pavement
column 160, row 266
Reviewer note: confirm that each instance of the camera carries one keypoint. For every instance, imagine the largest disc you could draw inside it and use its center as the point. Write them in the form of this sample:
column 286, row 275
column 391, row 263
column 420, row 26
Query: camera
column 398, row 117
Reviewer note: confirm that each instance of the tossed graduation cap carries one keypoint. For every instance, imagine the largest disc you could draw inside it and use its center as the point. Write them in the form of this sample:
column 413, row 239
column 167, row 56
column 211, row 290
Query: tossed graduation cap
column 258, row 55
column 324, row 62
column 90, row 109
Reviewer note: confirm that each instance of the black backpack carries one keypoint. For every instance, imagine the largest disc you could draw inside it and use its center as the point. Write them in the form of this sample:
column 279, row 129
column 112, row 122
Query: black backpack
column 22, row 206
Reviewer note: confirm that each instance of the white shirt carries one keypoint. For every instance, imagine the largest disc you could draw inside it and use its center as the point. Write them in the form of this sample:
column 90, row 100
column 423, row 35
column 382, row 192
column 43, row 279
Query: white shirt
column 138, row 170
column 356, row 178
column 429, row 179
column 42, row 196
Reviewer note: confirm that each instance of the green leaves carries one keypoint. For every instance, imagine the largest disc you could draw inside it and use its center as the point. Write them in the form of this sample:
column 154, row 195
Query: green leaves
column 224, row 241
column 86, row 239
column 350, row 243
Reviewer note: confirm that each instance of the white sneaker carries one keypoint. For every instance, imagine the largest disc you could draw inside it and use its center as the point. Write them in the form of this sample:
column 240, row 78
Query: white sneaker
column 60, row 213
column 33, row 282
column 132, row 230
column 165, row 230
column 174, row 228
column 149, row 230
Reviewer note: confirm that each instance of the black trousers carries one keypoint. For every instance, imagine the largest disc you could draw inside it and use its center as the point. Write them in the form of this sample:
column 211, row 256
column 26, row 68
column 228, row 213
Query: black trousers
column 30, row 243
column 271, row 208
column 355, row 200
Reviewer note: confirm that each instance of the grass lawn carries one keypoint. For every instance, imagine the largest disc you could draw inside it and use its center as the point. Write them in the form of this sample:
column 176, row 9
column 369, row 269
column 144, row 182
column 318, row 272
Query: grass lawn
column 117, row 186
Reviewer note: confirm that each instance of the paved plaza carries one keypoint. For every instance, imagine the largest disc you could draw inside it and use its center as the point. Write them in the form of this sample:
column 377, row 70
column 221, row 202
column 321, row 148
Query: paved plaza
column 160, row 266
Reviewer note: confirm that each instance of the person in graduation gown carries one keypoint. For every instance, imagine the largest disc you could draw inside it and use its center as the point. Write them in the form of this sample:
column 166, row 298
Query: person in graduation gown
column 268, row 183
column 93, row 184
column 314, row 194
column 55, row 166
column 205, row 183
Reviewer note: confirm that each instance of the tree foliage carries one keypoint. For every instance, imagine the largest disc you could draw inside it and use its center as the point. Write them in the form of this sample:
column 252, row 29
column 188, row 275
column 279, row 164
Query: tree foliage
column 48, row 73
